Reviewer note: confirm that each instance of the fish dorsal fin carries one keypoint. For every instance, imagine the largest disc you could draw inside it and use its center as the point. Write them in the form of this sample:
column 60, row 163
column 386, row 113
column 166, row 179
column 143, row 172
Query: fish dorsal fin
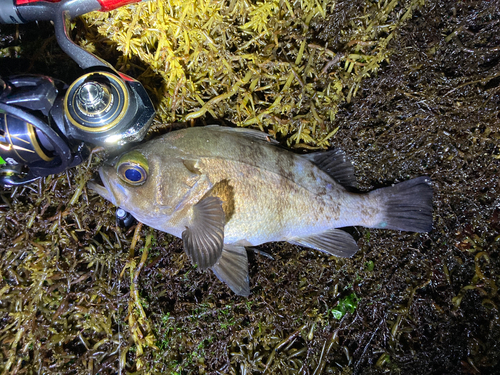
column 245, row 132
column 204, row 238
column 232, row 269
column 333, row 242
column 336, row 164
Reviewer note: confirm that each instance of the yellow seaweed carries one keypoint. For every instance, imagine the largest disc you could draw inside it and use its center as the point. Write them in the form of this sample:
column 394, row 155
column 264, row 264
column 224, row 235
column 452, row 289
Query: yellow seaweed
column 196, row 55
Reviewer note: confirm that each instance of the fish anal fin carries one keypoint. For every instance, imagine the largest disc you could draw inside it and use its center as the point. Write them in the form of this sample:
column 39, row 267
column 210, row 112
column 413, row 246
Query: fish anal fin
column 232, row 269
column 204, row 238
column 336, row 164
column 333, row 242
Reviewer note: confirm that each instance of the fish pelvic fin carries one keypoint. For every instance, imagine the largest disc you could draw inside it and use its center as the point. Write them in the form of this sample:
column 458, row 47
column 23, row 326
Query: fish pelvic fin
column 332, row 242
column 406, row 206
column 232, row 269
column 204, row 239
column 336, row 164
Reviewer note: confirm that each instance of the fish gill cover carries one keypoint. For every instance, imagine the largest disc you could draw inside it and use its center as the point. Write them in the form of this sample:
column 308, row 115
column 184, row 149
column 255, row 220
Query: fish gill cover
column 280, row 65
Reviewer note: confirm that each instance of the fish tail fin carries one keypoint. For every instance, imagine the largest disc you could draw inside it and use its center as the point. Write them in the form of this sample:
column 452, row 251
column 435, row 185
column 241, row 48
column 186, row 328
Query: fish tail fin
column 406, row 206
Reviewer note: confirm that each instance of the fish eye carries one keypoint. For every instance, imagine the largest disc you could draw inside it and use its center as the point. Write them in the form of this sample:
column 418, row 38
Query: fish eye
column 133, row 168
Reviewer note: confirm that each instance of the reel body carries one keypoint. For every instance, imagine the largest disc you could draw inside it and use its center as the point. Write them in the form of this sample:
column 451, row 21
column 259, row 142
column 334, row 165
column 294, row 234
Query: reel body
column 47, row 126
column 107, row 109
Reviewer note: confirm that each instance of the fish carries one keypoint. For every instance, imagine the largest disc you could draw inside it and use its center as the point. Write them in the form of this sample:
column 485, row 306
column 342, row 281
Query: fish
column 223, row 189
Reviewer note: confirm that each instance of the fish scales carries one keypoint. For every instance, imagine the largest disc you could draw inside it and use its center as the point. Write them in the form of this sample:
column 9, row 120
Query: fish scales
column 220, row 189
column 280, row 185
column 272, row 188
column 268, row 210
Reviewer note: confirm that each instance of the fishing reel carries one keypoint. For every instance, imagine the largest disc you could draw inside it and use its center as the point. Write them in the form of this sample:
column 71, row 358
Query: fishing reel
column 47, row 126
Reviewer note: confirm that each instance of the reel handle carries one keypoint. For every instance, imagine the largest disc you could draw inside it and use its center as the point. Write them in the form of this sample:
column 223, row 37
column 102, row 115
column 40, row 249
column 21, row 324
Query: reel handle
column 60, row 12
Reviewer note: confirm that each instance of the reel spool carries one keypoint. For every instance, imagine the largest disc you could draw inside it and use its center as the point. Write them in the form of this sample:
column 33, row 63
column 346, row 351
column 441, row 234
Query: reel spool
column 107, row 109
column 29, row 148
column 22, row 143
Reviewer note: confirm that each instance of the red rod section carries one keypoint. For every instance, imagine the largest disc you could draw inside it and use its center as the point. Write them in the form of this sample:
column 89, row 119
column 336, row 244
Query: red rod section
column 113, row 4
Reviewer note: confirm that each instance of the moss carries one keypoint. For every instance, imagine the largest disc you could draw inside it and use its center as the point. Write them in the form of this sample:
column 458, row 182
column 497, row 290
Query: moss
column 346, row 305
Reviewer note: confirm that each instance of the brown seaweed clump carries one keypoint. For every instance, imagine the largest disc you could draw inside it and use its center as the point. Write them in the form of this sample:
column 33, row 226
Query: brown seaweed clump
column 79, row 295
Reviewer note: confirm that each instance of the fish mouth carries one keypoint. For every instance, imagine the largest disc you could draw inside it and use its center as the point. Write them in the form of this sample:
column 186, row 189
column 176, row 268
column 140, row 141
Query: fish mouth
column 101, row 185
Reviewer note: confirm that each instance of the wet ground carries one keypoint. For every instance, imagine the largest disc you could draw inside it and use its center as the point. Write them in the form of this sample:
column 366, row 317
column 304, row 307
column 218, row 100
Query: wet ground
column 425, row 303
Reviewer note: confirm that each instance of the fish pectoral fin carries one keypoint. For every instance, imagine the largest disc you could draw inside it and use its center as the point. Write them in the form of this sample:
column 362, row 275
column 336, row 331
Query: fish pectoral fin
column 232, row 269
column 333, row 242
column 204, row 238
column 336, row 164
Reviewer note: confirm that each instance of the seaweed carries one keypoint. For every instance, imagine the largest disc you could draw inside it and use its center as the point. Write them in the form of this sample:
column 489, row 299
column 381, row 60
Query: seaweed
column 259, row 64
column 79, row 295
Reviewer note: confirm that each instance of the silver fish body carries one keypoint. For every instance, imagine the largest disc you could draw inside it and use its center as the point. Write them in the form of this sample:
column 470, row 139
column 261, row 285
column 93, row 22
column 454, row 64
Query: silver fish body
column 220, row 189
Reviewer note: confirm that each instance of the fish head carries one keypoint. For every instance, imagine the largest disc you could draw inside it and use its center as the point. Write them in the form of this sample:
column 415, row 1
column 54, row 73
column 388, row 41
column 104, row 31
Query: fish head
column 141, row 182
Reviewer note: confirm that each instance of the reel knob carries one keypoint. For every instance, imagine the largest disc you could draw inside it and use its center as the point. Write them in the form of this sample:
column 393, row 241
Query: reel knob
column 96, row 103
column 94, row 98
column 124, row 219
column 106, row 109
